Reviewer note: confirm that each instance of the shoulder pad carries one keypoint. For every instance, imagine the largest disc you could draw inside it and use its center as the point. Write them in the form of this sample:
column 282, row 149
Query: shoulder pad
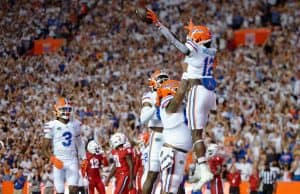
column 165, row 101
column 148, row 97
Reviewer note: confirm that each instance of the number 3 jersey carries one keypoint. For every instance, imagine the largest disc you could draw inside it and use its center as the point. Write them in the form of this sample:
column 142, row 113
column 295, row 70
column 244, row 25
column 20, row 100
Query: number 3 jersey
column 64, row 138
column 200, row 61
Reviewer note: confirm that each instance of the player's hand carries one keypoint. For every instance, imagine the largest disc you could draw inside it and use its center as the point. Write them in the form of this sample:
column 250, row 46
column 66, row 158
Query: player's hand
column 83, row 167
column 106, row 182
column 153, row 17
column 57, row 162
column 184, row 67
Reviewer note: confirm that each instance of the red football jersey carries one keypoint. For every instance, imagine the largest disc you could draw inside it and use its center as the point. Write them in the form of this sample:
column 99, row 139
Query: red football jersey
column 94, row 164
column 234, row 179
column 215, row 164
column 119, row 156
column 254, row 182
column 137, row 161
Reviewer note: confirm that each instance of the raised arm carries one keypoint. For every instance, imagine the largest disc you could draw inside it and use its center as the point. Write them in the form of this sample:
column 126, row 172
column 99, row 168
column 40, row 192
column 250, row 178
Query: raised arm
column 167, row 33
column 147, row 112
column 175, row 103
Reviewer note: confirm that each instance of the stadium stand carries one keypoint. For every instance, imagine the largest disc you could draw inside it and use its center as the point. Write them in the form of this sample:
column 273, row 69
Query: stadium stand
column 104, row 66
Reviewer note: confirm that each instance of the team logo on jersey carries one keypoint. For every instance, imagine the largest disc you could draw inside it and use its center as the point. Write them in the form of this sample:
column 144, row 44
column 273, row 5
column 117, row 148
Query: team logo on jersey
column 58, row 128
column 157, row 139
column 181, row 162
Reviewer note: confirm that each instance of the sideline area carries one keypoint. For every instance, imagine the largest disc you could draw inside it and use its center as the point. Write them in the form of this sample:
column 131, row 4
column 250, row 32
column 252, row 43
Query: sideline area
column 282, row 188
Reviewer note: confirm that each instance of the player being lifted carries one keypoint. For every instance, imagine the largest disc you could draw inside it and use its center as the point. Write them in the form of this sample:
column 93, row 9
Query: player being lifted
column 63, row 134
column 177, row 135
column 200, row 58
column 150, row 115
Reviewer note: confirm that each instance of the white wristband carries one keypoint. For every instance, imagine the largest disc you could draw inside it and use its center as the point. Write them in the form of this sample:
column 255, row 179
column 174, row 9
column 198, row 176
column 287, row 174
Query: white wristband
column 184, row 76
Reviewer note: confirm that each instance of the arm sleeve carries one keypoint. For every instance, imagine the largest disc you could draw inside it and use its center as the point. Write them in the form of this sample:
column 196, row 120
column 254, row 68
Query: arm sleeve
column 146, row 113
column 168, row 35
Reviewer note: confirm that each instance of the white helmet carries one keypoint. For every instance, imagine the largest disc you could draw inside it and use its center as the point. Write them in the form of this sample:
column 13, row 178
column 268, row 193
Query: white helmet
column 211, row 150
column 94, row 148
column 127, row 144
column 117, row 139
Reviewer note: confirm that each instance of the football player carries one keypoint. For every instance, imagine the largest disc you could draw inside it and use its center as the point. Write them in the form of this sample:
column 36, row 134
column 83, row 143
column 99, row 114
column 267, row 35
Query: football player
column 150, row 115
column 200, row 60
column 94, row 159
column 64, row 135
column 176, row 134
column 123, row 165
column 215, row 161
column 143, row 142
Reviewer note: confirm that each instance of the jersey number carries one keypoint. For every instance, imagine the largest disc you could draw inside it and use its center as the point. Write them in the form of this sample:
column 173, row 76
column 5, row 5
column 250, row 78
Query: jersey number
column 94, row 163
column 145, row 157
column 117, row 161
column 208, row 66
column 67, row 139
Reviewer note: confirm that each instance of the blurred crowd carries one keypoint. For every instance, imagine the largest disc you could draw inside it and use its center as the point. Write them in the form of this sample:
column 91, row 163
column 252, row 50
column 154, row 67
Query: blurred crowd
column 104, row 67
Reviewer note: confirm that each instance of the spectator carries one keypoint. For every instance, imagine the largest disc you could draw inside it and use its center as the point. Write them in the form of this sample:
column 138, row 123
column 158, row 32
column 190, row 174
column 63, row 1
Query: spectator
column 19, row 181
column 295, row 168
column 285, row 158
column 254, row 181
column 47, row 178
column 36, row 181
column 244, row 167
column 286, row 174
column 234, row 179
column 274, row 167
column 268, row 179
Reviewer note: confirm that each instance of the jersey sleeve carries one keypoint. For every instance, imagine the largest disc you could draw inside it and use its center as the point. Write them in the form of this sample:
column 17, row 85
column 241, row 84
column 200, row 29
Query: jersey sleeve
column 147, row 98
column 165, row 101
column 193, row 48
column 48, row 130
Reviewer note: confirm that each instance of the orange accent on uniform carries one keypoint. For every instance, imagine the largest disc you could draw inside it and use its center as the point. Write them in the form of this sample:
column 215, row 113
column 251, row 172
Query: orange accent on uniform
column 56, row 162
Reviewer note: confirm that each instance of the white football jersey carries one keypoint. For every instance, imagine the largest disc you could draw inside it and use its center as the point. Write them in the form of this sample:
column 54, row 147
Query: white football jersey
column 64, row 137
column 200, row 61
column 145, row 158
column 154, row 121
column 176, row 131
column 171, row 121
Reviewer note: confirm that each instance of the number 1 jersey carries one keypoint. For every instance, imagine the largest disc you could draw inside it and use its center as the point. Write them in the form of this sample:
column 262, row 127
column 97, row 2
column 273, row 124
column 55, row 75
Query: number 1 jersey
column 64, row 137
column 119, row 156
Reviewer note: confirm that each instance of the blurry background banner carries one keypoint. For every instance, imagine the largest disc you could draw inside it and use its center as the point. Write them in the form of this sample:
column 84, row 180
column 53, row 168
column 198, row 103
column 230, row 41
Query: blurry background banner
column 43, row 46
column 257, row 36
